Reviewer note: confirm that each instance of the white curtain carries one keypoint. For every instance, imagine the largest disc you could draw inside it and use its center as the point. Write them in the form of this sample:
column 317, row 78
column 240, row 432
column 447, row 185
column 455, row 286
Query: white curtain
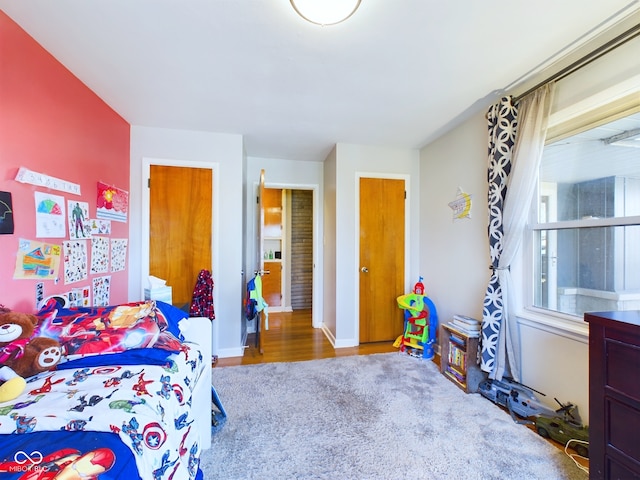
column 532, row 121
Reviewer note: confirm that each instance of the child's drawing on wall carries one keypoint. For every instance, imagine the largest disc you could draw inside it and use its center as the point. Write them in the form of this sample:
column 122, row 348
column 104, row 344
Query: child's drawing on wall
column 49, row 216
column 79, row 221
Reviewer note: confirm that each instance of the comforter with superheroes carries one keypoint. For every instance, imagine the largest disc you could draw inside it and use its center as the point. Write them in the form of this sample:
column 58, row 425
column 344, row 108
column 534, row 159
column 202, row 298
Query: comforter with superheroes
column 105, row 421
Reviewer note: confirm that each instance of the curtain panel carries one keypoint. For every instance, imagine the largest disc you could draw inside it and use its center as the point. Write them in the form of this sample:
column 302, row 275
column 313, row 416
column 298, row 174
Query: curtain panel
column 516, row 140
column 502, row 124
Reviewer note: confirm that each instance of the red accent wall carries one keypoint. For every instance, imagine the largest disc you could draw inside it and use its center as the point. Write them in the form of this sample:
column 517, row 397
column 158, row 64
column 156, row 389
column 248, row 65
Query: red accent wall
column 51, row 123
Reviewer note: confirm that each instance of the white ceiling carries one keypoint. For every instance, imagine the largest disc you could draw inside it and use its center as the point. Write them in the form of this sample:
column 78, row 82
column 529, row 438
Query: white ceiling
column 398, row 73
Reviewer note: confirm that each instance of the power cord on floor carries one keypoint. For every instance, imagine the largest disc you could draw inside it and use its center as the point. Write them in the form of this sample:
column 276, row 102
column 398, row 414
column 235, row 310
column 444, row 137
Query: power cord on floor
column 574, row 456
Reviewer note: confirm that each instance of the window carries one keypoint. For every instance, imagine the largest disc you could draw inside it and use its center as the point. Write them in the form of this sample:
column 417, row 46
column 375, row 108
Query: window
column 586, row 231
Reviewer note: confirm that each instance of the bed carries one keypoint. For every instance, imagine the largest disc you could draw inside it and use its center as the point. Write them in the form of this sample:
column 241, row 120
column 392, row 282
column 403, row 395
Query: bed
column 131, row 398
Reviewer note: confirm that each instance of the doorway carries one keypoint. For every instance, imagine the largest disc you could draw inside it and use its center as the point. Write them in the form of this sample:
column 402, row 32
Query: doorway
column 288, row 249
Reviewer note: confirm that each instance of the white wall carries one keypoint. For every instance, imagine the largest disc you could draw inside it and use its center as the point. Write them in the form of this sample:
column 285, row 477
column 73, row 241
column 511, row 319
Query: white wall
column 455, row 253
column 455, row 257
column 300, row 175
column 224, row 153
column 353, row 162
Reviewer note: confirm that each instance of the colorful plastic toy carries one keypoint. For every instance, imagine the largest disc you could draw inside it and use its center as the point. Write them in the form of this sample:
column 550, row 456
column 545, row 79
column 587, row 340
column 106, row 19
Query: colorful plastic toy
column 420, row 322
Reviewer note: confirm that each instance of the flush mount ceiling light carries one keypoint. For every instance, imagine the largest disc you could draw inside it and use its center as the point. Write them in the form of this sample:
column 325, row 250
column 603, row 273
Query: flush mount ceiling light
column 325, row 12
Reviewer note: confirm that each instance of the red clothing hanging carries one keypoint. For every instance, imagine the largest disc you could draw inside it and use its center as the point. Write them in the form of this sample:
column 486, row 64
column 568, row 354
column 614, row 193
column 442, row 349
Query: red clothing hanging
column 202, row 300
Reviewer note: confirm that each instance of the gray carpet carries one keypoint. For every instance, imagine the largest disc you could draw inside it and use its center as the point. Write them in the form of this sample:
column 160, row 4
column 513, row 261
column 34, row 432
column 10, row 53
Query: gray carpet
column 386, row 416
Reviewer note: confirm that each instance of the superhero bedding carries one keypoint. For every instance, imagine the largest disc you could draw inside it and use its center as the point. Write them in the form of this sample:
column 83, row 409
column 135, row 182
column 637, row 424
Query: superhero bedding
column 133, row 395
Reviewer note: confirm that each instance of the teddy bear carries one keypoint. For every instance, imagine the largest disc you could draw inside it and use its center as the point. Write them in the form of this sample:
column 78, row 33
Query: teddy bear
column 23, row 353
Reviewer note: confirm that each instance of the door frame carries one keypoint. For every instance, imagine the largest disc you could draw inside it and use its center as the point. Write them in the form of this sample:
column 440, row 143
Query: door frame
column 146, row 212
column 407, row 235
column 317, row 287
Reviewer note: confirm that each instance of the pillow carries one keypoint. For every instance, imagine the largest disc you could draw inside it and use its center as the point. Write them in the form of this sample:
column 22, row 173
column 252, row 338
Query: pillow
column 173, row 316
column 135, row 356
column 87, row 331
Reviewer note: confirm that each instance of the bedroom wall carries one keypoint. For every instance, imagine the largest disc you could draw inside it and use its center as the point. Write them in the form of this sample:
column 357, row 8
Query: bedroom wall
column 51, row 123
column 554, row 356
column 352, row 162
column 224, row 153
column 456, row 255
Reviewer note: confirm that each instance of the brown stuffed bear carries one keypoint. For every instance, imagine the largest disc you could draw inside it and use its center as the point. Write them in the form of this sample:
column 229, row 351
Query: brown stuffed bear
column 21, row 353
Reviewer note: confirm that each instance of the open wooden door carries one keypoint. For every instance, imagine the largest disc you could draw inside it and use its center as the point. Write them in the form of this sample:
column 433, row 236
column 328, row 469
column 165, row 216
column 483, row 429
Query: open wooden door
column 272, row 247
column 260, row 256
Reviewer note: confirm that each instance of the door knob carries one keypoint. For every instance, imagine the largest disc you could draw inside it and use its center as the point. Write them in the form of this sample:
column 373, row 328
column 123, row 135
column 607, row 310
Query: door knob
column 364, row 270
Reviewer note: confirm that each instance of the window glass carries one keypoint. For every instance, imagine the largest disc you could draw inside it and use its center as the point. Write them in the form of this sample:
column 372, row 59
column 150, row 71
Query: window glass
column 581, row 270
column 594, row 174
column 587, row 240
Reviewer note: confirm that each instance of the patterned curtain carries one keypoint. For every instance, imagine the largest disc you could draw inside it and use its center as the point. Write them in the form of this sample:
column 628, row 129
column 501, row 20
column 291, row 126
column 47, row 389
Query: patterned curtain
column 514, row 161
column 502, row 120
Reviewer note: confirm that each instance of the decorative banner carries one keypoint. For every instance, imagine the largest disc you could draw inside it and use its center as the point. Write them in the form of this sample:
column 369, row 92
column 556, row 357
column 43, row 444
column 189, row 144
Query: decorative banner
column 25, row 175
column 461, row 206
column 118, row 254
column 113, row 203
column 50, row 218
column 37, row 260
column 6, row 213
column 79, row 221
column 75, row 260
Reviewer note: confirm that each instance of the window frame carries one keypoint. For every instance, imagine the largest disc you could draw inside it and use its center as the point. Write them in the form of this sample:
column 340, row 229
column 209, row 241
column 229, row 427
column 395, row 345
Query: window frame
column 562, row 125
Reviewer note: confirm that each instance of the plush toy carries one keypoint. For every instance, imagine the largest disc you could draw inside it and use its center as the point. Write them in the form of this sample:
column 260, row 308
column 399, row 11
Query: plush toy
column 23, row 353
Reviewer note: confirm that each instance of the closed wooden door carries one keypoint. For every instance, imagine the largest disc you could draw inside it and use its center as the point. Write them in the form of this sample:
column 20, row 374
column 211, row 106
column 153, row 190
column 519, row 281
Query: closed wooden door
column 180, row 230
column 382, row 232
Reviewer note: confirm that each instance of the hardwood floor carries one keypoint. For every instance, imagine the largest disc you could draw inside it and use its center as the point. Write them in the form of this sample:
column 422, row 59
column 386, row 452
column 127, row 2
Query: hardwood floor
column 291, row 338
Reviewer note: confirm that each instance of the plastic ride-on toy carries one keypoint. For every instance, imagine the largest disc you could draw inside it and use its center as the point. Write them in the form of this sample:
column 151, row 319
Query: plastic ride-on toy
column 420, row 322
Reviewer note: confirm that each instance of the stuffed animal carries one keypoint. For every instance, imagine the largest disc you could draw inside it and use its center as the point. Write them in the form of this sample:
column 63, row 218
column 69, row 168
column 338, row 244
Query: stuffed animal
column 23, row 353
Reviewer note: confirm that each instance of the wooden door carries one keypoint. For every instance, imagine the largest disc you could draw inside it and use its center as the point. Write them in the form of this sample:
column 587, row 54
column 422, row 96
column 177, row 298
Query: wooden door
column 272, row 283
column 382, row 232
column 260, row 255
column 180, row 230
column 272, row 280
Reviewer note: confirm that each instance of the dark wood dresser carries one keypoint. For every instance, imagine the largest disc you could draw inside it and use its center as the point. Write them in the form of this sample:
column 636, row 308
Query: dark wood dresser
column 614, row 395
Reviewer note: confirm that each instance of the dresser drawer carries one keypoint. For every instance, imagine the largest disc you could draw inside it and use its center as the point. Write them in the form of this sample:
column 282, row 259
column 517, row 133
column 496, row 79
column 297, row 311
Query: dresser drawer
column 622, row 368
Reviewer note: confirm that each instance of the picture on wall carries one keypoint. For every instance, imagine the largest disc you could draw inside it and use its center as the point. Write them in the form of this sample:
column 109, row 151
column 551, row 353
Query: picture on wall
column 101, row 291
column 79, row 221
column 99, row 254
column 100, row 227
column 75, row 261
column 112, row 203
column 80, row 297
column 118, row 254
column 461, row 206
column 6, row 213
column 50, row 217
column 37, row 260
